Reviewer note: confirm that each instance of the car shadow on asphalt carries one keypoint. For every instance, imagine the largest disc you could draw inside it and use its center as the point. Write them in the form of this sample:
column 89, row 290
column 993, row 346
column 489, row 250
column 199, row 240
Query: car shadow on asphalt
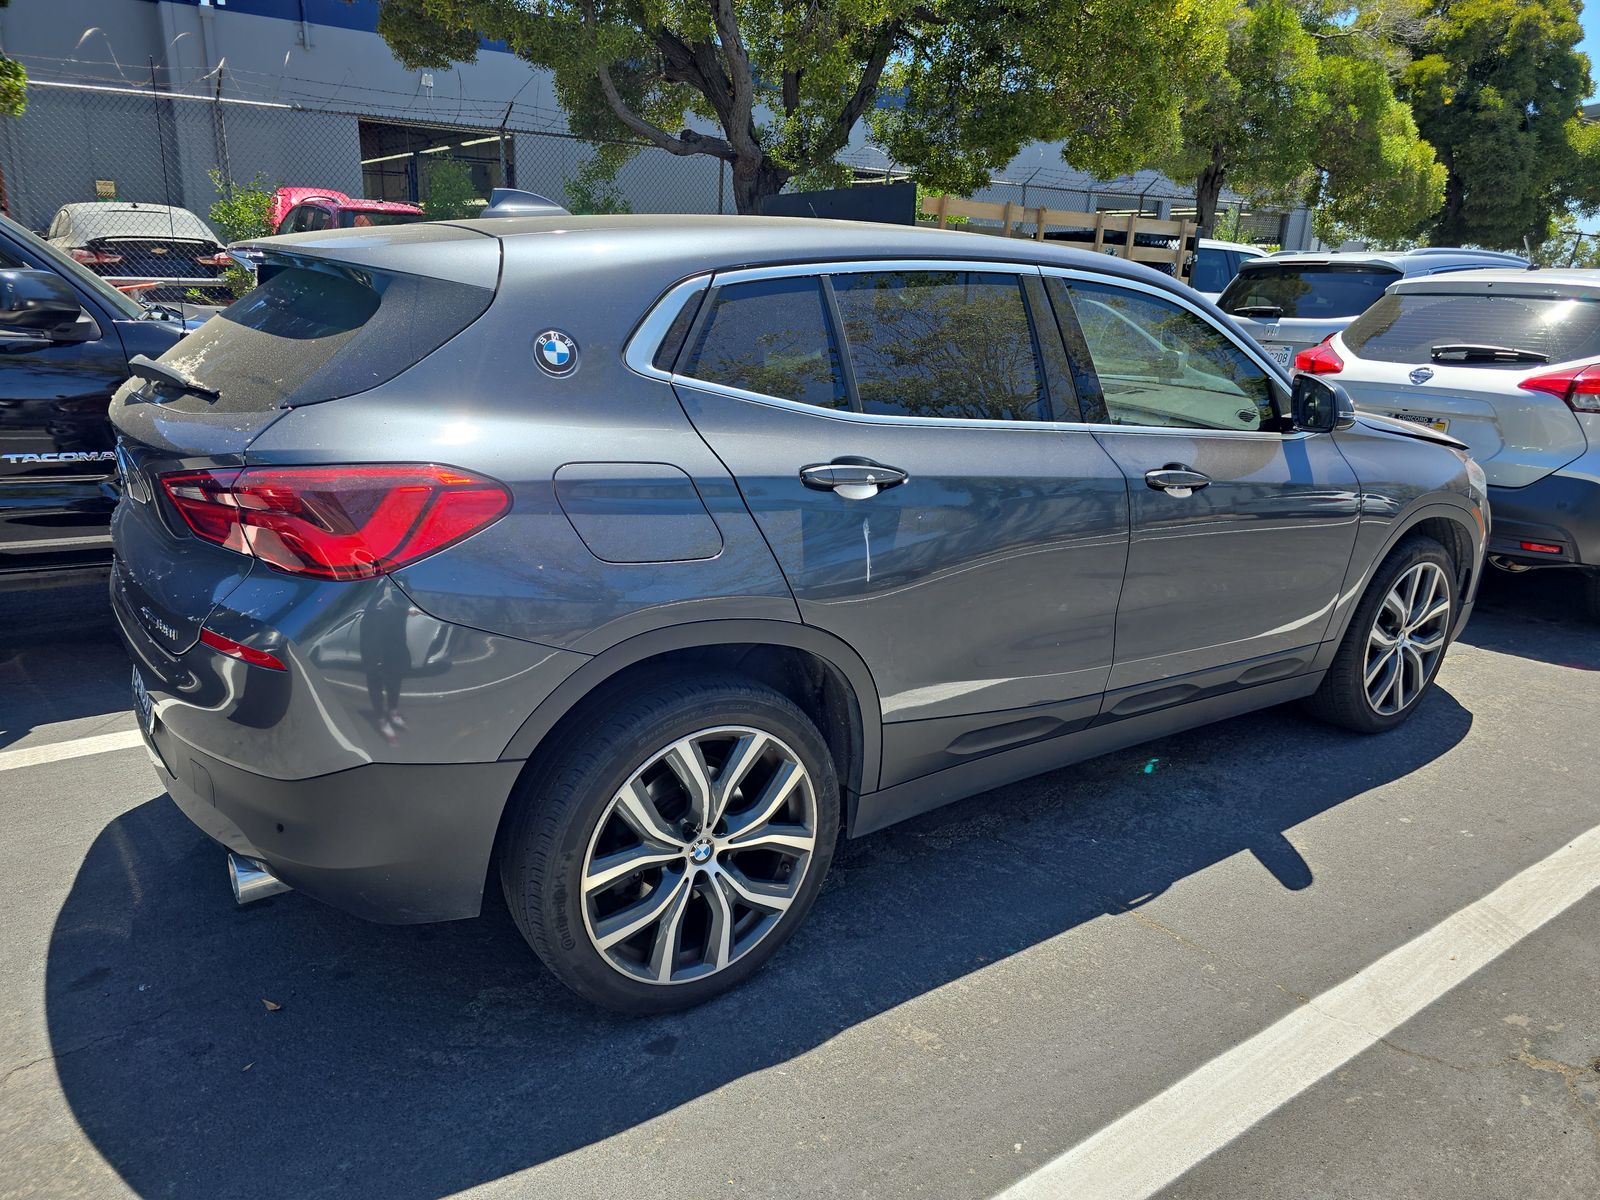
column 59, row 659
column 1537, row 615
column 411, row 1062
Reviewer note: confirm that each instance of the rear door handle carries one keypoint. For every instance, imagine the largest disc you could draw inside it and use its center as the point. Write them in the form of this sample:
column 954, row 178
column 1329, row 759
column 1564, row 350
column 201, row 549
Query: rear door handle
column 1177, row 480
column 853, row 478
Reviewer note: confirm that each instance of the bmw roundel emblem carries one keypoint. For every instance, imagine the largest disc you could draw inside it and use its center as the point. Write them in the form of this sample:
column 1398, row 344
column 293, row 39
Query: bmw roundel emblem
column 557, row 353
column 1422, row 375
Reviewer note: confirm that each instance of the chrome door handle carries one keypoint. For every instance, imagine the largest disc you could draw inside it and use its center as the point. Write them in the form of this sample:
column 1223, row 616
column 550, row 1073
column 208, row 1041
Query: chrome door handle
column 852, row 478
column 1176, row 480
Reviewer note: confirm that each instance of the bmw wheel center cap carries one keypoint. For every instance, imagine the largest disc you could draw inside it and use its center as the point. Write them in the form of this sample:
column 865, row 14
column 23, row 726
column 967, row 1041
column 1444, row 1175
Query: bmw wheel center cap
column 556, row 352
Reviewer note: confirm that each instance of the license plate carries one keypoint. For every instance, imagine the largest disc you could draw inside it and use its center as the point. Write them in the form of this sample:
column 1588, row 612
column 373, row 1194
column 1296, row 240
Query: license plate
column 1282, row 355
column 142, row 705
column 1437, row 424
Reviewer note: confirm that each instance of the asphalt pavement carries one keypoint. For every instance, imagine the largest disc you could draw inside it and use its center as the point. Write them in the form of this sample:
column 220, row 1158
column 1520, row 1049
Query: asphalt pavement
column 979, row 991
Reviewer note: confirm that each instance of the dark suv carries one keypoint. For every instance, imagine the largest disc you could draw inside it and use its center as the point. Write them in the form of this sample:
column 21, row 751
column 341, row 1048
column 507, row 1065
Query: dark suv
column 65, row 340
column 636, row 558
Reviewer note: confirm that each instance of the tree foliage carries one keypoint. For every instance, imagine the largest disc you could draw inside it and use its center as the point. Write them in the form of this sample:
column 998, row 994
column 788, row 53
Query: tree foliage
column 952, row 88
column 13, row 83
column 1300, row 107
column 1496, row 89
column 448, row 193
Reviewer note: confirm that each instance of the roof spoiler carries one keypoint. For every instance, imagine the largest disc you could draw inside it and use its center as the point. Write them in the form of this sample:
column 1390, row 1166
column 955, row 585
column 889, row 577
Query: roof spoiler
column 512, row 202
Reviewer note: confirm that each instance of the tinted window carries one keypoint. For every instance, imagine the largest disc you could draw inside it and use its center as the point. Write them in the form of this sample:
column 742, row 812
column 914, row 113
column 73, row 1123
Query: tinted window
column 941, row 344
column 1315, row 292
column 1212, row 270
column 1160, row 364
column 771, row 336
column 1405, row 327
column 310, row 334
column 360, row 218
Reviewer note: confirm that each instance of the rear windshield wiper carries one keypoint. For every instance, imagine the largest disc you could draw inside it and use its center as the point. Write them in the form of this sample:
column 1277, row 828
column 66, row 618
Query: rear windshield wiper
column 1258, row 310
column 1474, row 352
column 162, row 373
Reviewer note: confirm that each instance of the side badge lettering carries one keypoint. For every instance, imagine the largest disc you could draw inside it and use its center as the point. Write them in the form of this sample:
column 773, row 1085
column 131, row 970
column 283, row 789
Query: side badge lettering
column 555, row 352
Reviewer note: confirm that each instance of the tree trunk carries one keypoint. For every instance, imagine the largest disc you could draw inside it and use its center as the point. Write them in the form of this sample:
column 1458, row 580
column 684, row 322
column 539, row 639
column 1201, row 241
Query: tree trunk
column 754, row 179
column 1208, row 191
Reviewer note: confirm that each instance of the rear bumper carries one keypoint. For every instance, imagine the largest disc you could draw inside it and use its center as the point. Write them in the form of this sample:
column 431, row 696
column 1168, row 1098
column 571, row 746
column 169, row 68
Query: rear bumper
column 396, row 843
column 1559, row 510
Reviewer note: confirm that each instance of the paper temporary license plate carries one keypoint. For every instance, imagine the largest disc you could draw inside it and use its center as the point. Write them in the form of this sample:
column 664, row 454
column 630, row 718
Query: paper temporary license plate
column 1437, row 424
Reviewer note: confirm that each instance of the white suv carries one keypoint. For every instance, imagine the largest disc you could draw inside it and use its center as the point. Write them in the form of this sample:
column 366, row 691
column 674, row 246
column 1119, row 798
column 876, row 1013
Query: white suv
column 1507, row 361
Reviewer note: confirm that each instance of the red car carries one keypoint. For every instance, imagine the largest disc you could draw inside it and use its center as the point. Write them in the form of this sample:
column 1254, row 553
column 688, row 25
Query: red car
column 299, row 209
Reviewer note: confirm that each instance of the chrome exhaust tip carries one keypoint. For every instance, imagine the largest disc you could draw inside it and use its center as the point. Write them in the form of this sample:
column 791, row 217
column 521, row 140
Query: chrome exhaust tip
column 251, row 880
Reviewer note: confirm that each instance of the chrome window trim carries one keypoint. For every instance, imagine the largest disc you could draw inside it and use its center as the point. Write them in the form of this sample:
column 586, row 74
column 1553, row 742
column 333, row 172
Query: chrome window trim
column 639, row 352
column 640, row 349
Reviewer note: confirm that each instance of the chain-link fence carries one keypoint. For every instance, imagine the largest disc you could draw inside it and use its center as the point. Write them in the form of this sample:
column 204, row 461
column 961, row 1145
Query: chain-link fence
column 82, row 143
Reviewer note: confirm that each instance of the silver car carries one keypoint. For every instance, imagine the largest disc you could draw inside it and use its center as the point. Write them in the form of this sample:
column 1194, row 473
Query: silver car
column 632, row 561
column 1290, row 302
column 156, row 251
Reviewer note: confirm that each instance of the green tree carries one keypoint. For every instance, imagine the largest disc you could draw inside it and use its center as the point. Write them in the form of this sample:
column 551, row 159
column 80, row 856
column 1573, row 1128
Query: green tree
column 1567, row 246
column 449, row 194
column 1496, row 89
column 593, row 188
column 241, row 210
column 13, row 83
column 1300, row 107
column 953, row 87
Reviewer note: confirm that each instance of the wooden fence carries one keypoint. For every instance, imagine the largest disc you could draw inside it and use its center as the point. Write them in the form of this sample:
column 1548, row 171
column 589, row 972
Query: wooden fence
column 1013, row 219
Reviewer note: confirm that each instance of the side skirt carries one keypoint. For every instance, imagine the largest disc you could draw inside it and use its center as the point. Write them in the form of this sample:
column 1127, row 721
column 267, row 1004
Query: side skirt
column 879, row 809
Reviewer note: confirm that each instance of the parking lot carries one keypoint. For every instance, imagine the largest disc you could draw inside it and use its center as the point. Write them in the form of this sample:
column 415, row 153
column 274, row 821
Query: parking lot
column 979, row 991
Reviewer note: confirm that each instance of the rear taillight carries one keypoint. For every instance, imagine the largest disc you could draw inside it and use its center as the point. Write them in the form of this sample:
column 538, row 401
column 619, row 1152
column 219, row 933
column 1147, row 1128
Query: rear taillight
column 214, row 260
column 1578, row 386
column 96, row 257
column 1321, row 359
column 337, row 522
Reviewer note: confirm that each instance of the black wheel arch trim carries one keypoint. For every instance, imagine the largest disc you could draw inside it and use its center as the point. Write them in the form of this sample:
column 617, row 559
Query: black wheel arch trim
column 709, row 634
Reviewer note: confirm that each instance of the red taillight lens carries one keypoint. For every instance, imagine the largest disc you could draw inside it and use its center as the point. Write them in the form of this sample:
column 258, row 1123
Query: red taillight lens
column 214, row 260
column 96, row 257
column 337, row 522
column 1321, row 359
column 1578, row 386
column 233, row 649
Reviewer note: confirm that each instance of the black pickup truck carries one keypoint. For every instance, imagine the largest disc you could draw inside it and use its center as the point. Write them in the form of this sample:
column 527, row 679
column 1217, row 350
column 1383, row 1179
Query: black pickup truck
column 65, row 340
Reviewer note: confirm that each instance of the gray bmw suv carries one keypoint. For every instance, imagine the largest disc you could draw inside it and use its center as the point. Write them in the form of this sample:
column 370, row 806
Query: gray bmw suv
column 629, row 561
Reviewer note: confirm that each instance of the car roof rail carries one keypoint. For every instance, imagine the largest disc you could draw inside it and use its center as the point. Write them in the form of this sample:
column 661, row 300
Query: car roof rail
column 513, row 202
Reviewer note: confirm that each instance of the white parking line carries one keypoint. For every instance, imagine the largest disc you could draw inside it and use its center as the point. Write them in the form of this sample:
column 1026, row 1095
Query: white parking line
column 1147, row 1148
column 33, row 756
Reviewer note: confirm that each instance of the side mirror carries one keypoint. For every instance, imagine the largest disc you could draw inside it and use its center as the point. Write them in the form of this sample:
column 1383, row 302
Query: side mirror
column 36, row 301
column 1318, row 406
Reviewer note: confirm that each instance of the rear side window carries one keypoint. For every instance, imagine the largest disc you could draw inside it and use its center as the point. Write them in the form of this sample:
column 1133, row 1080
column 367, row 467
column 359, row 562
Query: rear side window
column 1212, row 269
column 312, row 333
column 1310, row 291
column 771, row 336
column 941, row 344
column 1406, row 326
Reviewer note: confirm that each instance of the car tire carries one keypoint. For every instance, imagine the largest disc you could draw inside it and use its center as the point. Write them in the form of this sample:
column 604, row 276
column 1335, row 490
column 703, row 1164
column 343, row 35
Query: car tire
column 1389, row 658
column 620, row 791
column 1590, row 593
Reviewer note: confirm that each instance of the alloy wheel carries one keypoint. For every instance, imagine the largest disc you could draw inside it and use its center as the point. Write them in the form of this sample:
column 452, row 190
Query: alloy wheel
column 698, row 855
column 1407, row 639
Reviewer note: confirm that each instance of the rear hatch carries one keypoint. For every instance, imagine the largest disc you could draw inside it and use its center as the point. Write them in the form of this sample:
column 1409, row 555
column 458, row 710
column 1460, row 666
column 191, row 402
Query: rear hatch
column 1456, row 360
column 1290, row 306
column 323, row 324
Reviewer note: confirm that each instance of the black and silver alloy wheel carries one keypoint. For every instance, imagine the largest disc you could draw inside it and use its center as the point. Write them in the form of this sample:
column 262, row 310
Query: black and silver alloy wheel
column 671, row 841
column 1395, row 641
column 699, row 855
column 1407, row 638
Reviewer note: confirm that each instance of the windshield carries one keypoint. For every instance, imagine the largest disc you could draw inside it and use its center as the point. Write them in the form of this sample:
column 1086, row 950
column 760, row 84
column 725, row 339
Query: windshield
column 1315, row 291
column 1405, row 327
column 79, row 274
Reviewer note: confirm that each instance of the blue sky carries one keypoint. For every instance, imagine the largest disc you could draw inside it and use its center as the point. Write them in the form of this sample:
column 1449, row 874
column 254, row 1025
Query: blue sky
column 1591, row 35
